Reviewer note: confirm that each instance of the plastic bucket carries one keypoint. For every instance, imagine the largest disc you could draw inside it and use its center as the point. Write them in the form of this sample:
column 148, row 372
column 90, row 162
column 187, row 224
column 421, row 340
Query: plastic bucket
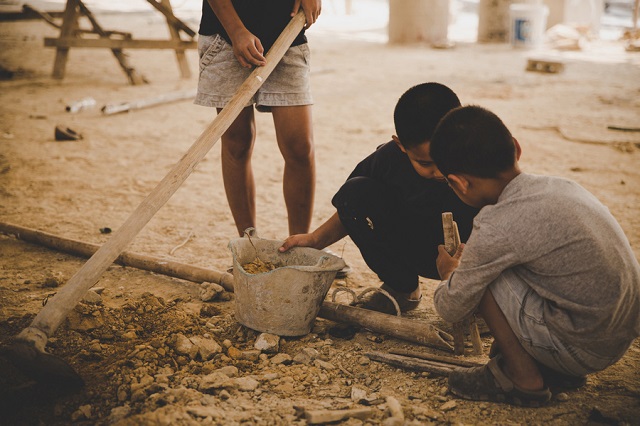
column 528, row 23
column 286, row 300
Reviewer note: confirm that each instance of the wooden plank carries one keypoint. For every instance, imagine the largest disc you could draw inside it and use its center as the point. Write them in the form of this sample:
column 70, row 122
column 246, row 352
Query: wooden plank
column 102, row 43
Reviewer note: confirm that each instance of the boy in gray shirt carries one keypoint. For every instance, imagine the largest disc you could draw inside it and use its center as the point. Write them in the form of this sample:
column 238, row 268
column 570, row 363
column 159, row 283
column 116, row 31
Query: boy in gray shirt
column 563, row 283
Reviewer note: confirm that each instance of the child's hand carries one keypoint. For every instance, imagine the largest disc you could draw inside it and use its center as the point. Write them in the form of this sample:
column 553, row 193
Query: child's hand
column 311, row 8
column 248, row 49
column 446, row 263
column 298, row 240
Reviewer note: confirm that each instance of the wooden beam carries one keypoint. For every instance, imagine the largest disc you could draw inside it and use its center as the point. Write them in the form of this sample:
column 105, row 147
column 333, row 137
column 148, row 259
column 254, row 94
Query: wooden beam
column 101, row 43
column 132, row 74
column 171, row 18
column 183, row 65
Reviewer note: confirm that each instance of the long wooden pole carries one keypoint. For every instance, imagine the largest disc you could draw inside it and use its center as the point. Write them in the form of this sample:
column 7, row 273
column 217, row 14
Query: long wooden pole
column 391, row 325
column 54, row 313
column 127, row 258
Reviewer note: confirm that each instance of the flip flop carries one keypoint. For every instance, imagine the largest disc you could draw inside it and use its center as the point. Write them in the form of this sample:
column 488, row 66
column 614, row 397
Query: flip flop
column 380, row 302
column 556, row 380
column 489, row 383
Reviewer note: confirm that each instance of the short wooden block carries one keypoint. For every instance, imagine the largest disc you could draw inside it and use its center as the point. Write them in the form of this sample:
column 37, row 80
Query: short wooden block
column 540, row 65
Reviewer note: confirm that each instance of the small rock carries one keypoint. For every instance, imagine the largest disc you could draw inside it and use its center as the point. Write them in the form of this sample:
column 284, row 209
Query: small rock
column 281, row 359
column 267, row 343
column 246, row 384
column 215, row 380
column 306, row 356
column 324, row 365
column 206, row 348
column 210, row 291
column 448, row 406
column 184, row 346
column 562, row 397
column 358, row 394
column 228, row 370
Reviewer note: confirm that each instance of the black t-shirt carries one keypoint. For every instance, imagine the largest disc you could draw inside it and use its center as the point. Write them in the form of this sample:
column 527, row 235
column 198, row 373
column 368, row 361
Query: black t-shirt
column 264, row 18
column 427, row 198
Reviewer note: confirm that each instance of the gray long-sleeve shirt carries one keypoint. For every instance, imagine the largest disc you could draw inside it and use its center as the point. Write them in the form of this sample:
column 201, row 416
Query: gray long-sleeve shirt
column 561, row 241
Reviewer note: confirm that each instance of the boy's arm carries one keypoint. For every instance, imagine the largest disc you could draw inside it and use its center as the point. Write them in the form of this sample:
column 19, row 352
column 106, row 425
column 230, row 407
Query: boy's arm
column 311, row 8
column 246, row 46
column 487, row 255
column 326, row 234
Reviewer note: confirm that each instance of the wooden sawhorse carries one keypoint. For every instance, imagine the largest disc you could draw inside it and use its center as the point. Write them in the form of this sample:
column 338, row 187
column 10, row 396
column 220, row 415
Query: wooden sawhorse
column 71, row 36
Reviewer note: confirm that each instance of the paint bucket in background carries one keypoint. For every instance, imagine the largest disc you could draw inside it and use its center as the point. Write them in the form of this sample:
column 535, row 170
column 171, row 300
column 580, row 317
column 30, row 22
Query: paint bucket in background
column 528, row 24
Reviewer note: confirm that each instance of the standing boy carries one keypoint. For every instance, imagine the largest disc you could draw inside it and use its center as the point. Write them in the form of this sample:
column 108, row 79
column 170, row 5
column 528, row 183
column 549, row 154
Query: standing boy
column 546, row 265
column 234, row 36
column 391, row 205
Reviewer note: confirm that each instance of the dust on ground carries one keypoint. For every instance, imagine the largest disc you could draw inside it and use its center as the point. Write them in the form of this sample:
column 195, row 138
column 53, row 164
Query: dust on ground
column 151, row 351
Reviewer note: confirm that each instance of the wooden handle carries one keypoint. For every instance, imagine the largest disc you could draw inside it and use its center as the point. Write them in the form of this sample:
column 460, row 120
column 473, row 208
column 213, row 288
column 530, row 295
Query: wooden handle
column 451, row 235
column 52, row 315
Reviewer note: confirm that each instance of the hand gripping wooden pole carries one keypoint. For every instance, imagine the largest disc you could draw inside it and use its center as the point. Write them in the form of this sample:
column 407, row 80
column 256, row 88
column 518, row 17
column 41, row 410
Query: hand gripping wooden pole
column 451, row 243
column 54, row 313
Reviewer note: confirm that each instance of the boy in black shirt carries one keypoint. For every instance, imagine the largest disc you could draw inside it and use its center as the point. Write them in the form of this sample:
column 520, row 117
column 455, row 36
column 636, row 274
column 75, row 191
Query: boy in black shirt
column 392, row 203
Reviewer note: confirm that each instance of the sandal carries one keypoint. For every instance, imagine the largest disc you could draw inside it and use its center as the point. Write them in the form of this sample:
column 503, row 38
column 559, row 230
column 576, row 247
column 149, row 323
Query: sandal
column 556, row 380
column 489, row 383
column 379, row 302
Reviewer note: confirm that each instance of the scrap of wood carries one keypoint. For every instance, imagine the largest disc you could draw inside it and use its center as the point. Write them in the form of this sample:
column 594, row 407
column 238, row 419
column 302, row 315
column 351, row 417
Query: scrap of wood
column 395, row 409
column 411, row 330
column 410, row 363
column 315, row 417
column 110, row 109
column 451, row 244
column 542, row 65
column 432, row 357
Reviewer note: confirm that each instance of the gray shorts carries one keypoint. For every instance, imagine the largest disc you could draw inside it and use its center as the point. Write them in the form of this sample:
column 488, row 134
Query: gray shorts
column 524, row 309
column 221, row 74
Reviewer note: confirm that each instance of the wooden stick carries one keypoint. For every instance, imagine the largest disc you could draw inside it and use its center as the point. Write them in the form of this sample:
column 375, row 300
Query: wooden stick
column 391, row 325
column 315, row 417
column 474, row 335
column 110, row 109
column 395, row 409
column 54, row 313
column 451, row 244
column 127, row 258
column 449, row 233
column 433, row 357
column 402, row 328
column 411, row 363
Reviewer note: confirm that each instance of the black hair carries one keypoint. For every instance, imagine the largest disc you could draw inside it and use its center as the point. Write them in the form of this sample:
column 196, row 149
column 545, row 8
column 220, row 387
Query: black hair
column 419, row 110
column 472, row 140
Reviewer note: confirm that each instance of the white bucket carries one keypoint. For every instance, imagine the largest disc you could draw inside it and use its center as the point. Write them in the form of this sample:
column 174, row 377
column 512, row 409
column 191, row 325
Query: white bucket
column 528, row 24
column 286, row 300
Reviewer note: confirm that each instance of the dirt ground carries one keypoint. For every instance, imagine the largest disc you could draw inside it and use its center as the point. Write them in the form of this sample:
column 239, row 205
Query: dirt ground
column 134, row 344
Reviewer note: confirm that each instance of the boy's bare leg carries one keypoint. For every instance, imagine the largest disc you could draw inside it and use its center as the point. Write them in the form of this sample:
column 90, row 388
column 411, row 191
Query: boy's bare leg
column 294, row 132
column 237, row 174
column 518, row 365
